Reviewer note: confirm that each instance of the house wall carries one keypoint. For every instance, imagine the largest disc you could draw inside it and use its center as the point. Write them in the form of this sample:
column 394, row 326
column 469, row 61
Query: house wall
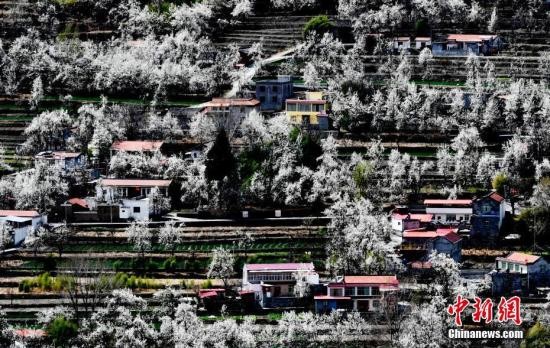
column 446, row 214
column 486, row 220
column 443, row 246
column 134, row 209
column 272, row 94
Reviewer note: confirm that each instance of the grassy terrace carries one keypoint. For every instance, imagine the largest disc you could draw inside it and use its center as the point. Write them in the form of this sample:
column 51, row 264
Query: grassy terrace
column 198, row 247
column 183, row 102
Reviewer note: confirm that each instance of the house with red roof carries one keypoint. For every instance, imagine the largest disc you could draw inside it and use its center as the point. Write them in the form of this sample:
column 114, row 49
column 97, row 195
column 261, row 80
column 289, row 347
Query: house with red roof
column 136, row 146
column 132, row 196
column 449, row 211
column 358, row 293
column 518, row 262
column 274, row 283
column 463, row 44
column 519, row 273
column 419, row 244
column 488, row 215
column 22, row 222
column 408, row 221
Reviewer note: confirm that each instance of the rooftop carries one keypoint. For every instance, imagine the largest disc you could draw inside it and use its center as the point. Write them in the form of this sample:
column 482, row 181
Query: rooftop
column 136, row 145
column 222, row 102
column 19, row 213
column 54, row 155
column 136, row 182
column 385, row 280
column 470, row 37
column 521, row 258
column 447, row 201
column 421, row 233
column 280, row 266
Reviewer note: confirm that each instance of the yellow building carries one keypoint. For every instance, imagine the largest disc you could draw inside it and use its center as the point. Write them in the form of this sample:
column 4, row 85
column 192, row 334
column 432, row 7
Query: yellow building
column 308, row 112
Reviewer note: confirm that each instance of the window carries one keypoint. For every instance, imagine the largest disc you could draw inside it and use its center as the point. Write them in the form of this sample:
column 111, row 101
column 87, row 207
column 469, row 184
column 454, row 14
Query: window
column 137, row 210
column 335, row 291
column 375, row 290
column 375, row 304
column 274, row 99
column 305, row 120
column 451, row 217
column 242, row 109
column 262, row 99
column 291, row 290
column 304, row 107
column 363, row 291
column 516, row 268
column 350, row 291
column 291, row 107
column 318, row 107
column 275, row 89
column 262, row 88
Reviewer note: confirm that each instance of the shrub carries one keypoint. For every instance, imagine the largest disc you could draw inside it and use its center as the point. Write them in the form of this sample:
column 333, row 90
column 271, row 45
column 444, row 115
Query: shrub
column 188, row 284
column 207, row 284
column 50, row 263
column 61, row 331
column 422, row 28
column 170, row 264
column 117, row 265
column 319, row 25
column 499, row 181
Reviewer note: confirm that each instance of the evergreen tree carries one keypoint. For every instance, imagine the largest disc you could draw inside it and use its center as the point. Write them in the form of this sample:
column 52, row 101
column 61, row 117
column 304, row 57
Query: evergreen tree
column 220, row 162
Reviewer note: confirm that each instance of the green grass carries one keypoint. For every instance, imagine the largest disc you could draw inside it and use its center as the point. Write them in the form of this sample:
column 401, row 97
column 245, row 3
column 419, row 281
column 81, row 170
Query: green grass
column 199, row 247
column 131, row 101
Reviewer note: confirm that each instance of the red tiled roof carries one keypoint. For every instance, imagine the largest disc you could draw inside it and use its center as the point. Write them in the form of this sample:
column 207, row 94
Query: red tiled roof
column 420, row 217
column 208, row 294
column 421, row 265
column 469, row 37
column 445, row 232
column 388, row 280
column 280, row 266
column 30, row 332
column 19, row 213
column 419, row 234
column 325, row 297
column 447, row 201
column 218, row 102
column 135, row 182
column 136, row 145
column 521, row 258
column 496, row 197
column 78, row 201
column 449, row 235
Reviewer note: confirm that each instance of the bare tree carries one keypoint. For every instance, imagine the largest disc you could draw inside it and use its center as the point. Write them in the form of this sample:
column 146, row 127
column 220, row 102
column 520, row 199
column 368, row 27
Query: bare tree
column 86, row 285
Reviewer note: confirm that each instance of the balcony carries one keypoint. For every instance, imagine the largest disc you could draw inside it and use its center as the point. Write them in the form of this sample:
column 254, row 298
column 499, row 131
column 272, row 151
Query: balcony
column 270, row 277
column 414, row 246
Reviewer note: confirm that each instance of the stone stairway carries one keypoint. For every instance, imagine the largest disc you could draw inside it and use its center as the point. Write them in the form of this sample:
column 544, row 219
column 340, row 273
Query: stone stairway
column 276, row 32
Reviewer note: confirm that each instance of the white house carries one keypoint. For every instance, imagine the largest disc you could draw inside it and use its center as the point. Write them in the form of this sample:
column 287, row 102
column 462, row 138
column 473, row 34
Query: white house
column 449, row 210
column 136, row 146
column 22, row 222
column 129, row 188
column 66, row 161
column 518, row 262
column 273, row 283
